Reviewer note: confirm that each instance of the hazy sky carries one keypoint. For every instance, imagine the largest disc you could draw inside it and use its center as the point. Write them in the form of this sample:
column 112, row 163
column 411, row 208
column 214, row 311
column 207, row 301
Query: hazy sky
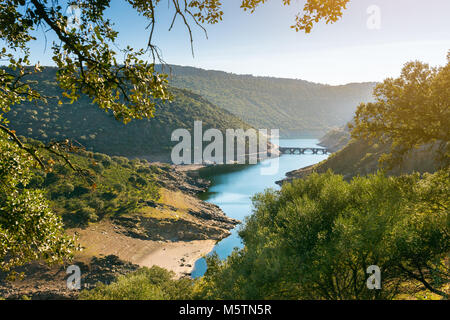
column 263, row 43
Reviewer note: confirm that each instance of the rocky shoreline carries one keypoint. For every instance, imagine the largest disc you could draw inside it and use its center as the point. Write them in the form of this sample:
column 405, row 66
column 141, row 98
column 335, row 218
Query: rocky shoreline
column 296, row 174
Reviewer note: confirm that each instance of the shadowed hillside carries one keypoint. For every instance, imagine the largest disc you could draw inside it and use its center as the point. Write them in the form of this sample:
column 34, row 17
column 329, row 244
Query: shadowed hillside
column 99, row 131
column 359, row 157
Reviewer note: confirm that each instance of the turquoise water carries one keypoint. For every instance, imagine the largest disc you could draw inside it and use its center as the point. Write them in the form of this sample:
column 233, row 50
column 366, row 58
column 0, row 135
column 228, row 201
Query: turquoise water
column 232, row 191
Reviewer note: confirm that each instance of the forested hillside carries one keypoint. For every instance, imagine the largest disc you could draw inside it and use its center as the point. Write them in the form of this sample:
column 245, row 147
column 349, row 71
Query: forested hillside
column 297, row 107
column 360, row 157
column 99, row 131
column 335, row 139
column 354, row 157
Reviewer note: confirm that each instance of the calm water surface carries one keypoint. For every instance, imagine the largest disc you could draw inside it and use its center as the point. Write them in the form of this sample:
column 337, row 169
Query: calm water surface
column 232, row 191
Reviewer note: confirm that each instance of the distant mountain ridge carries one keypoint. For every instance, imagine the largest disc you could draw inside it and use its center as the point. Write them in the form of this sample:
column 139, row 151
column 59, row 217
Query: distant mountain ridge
column 297, row 107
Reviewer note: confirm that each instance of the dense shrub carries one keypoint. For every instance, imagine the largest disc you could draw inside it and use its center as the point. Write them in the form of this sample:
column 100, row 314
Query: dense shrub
column 66, row 188
column 144, row 284
column 144, row 170
column 120, row 160
column 141, row 181
column 80, row 190
column 74, row 204
column 106, row 162
column 36, row 181
column 96, row 204
column 61, row 169
column 97, row 167
column 87, row 214
column 119, row 187
column 51, row 178
column 135, row 163
column 100, row 156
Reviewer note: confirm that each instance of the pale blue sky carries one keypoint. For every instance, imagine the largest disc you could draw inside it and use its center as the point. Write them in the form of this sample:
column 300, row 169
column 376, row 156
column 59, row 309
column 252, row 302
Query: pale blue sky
column 263, row 44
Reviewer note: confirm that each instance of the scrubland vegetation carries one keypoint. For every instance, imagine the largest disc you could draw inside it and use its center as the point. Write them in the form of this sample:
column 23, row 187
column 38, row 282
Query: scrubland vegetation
column 104, row 186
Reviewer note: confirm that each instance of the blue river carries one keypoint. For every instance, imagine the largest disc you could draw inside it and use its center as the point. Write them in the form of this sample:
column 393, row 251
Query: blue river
column 232, row 191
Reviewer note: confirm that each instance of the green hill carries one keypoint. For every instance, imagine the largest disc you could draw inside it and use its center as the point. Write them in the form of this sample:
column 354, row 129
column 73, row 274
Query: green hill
column 99, row 131
column 297, row 107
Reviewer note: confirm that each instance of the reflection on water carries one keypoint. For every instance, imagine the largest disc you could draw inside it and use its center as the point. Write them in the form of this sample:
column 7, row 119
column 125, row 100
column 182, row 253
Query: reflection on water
column 232, row 191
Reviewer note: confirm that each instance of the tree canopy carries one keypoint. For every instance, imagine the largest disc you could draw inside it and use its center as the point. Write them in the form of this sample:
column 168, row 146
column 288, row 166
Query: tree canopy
column 29, row 230
column 410, row 111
